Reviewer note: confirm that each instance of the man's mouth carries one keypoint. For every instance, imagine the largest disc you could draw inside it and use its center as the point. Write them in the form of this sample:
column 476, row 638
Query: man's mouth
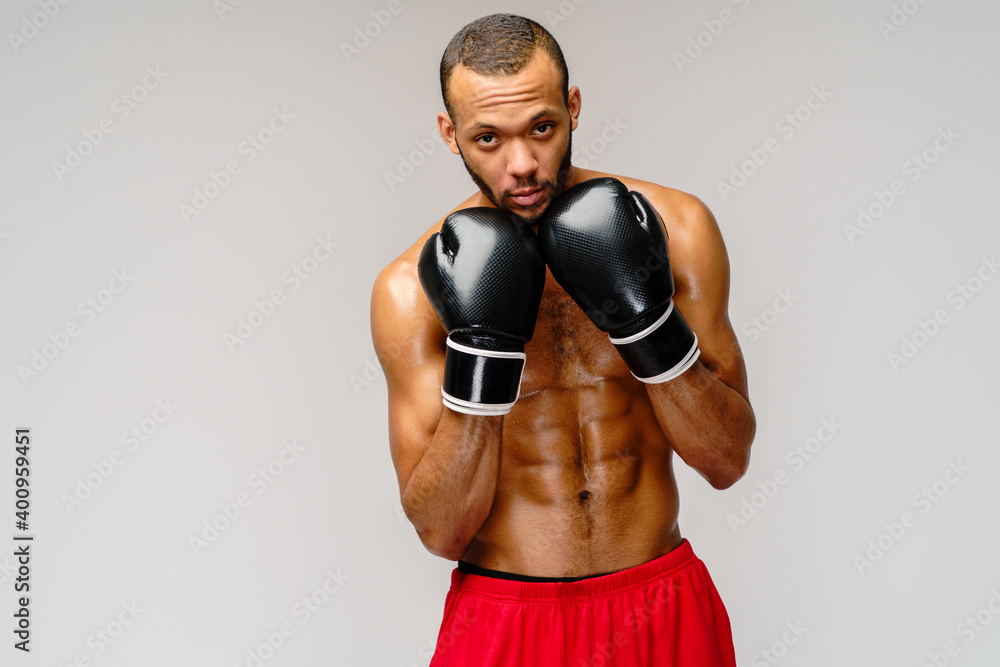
column 527, row 197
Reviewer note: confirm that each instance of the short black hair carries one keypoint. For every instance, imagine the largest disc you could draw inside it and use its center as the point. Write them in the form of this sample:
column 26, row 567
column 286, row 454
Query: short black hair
column 499, row 45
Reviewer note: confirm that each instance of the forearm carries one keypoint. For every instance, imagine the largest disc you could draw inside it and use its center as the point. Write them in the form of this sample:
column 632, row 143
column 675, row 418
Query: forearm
column 450, row 492
column 708, row 423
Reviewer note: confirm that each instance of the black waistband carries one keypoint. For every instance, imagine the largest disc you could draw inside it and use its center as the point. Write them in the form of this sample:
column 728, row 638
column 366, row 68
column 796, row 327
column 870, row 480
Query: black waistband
column 469, row 568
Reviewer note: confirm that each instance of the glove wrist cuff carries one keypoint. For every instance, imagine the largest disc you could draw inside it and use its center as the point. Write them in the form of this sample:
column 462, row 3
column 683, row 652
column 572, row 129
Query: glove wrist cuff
column 661, row 351
column 479, row 381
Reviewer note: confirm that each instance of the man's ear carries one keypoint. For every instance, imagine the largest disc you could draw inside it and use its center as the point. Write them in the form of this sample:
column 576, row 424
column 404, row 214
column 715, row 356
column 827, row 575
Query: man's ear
column 447, row 131
column 573, row 103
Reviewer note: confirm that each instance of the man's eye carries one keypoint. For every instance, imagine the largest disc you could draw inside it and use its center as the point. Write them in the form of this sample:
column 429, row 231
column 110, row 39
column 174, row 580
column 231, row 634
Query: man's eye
column 486, row 140
column 544, row 128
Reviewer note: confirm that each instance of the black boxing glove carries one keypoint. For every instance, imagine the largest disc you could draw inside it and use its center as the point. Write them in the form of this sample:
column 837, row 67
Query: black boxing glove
column 483, row 274
column 607, row 247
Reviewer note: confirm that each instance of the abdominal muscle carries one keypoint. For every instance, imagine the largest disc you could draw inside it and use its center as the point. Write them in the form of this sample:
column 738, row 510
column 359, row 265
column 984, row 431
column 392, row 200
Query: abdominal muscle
column 586, row 483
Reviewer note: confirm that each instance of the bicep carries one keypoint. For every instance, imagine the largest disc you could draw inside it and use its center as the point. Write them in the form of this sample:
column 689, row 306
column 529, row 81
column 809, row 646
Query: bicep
column 410, row 349
column 415, row 409
column 700, row 264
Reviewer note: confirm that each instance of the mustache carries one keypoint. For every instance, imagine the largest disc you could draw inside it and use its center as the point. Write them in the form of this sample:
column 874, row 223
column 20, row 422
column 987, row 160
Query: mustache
column 532, row 184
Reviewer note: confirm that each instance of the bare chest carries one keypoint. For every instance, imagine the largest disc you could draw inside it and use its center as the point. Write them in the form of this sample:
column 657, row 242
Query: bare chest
column 567, row 350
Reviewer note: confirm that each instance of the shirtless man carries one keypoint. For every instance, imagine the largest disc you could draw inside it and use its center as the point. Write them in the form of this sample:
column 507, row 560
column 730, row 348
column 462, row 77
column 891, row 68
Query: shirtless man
column 557, row 495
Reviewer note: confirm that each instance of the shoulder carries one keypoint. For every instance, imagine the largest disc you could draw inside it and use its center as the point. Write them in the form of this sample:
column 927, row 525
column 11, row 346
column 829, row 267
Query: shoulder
column 682, row 212
column 698, row 254
column 689, row 223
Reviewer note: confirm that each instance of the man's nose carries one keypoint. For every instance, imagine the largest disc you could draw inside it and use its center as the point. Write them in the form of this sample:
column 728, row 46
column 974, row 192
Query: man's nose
column 521, row 162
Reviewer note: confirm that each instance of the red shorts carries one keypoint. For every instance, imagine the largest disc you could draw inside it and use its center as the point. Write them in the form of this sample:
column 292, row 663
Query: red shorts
column 664, row 612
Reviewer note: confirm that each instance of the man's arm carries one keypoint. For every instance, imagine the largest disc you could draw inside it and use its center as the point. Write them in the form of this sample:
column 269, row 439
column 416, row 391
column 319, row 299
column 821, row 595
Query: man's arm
column 447, row 463
column 705, row 412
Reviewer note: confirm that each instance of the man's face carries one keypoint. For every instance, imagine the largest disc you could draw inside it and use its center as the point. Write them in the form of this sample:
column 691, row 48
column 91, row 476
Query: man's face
column 514, row 134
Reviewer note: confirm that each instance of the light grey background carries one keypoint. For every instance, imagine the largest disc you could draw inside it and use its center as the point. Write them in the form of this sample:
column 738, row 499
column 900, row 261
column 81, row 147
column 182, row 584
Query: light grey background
column 307, row 374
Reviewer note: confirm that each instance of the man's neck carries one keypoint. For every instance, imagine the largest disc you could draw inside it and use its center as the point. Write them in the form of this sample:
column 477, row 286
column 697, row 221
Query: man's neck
column 576, row 175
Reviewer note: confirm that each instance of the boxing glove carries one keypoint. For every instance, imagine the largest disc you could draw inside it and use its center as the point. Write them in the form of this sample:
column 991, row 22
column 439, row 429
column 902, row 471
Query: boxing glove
column 483, row 273
column 607, row 247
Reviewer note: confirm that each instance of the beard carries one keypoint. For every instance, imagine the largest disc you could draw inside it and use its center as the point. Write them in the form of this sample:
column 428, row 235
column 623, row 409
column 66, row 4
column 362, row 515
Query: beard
column 553, row 188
